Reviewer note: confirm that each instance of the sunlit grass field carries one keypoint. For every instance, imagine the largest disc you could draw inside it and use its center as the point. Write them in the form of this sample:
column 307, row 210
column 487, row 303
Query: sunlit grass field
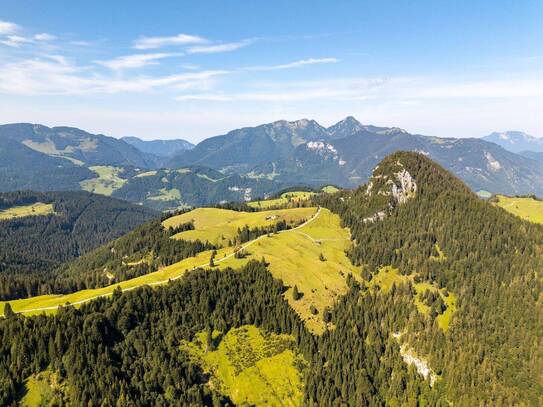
column 525, row 207
column 43, row 389
column 251, row 367
column 35, row 209
column 285, row 198
column 106, row 183
column 220, row 225
column 294, row 256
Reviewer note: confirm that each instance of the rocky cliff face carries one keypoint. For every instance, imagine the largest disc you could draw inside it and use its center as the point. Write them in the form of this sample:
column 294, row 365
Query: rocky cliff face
column 393, row 187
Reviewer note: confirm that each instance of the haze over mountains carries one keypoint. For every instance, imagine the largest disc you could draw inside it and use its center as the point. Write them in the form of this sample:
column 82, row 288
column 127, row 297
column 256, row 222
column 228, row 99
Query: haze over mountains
column 161, row 148
column 516, row 141
column 251, row 162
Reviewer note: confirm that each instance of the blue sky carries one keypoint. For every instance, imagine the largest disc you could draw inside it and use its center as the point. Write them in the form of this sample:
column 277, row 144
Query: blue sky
column 171, row 69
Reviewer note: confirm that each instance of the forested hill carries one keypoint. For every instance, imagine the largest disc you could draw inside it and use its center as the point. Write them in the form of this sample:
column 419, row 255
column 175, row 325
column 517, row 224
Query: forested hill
column 486, row 347
column 36, row 241
column 447, row 309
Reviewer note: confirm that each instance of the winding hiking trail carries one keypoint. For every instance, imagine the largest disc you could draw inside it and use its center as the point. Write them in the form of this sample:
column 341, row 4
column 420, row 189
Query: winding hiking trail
column 307, row 222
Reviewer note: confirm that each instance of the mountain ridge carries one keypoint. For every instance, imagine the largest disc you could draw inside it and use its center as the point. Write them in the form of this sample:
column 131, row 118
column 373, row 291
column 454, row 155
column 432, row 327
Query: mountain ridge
column 345, row 153
column 158, row 147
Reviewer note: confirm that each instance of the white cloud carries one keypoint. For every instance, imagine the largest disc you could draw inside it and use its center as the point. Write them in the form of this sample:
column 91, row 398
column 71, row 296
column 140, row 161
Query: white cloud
column 405, row 91
column 8, row 28
column 44, row 37
column 57, row 75
column 135, row 61
column 159, row 42
column 216, row 48
column 18, row 40
column 295, row 64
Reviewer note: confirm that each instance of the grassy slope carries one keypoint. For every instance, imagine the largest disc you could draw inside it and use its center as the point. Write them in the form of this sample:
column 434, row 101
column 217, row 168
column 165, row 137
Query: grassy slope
column 35, row 209
column 43, row 389
column 293, row 257
column 219, row 225
column 525, row 207
column 330, row 189
column 292, row 196
column 106, row 183
column 251, row 366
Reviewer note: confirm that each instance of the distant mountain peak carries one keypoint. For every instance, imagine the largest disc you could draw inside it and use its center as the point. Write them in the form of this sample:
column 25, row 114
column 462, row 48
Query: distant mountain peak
column 345, row 127
column 160, row 148
column 300, row 124
column 516, row 141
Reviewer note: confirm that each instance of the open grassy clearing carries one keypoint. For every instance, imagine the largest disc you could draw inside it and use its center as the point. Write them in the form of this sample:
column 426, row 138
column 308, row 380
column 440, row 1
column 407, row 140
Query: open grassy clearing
column 387, row 276
column 525, row 207
column 166, row 195
column 43, row 389
column 219, row 225
column 293, row 256
column 48, row 147
column 329, row 189
column 106, row 183
column 252, row 367
column 285, row 198
column 35, row 209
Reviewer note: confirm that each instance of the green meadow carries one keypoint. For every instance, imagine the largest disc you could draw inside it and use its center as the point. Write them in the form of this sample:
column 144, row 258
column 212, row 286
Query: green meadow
column 251, row 366
column 219, row 225
column 524, row 207
column 312, row 257
column 107, row 181
column 35, row 209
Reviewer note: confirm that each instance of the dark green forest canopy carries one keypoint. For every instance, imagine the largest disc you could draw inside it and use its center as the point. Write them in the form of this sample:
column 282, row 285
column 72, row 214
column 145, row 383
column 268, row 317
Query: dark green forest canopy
column 491, row 353
column 32, row 247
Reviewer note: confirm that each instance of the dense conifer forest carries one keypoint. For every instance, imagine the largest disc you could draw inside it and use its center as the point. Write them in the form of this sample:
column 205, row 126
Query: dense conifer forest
column 493, row 351
column 430, row 228
column 32, row 247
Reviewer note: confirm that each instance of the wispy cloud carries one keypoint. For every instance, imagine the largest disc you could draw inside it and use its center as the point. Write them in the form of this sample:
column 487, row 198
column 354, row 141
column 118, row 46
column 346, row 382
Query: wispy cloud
column 295, row 64
column 400, row 90
column 216, row 48
column 159, row 42
column 135, row 61
column 18, row 40
column 44, row 37
column 57, row 75
column 8, row 28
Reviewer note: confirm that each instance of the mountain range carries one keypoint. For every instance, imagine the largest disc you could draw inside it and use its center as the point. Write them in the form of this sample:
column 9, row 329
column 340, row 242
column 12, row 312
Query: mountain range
column 160, row 148
column 406, row 291
column 345, row 153
column 516, row 141
column 250, row 162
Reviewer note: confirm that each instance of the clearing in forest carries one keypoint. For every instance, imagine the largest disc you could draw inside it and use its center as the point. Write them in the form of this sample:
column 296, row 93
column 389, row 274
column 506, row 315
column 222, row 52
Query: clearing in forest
column 44, row 389
column 312, row 257
column 287, row 197
column 35, row 209
column 524, row 207
column 108, row 180
column 251, row 366
column 218, row 226
column 388, row 276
